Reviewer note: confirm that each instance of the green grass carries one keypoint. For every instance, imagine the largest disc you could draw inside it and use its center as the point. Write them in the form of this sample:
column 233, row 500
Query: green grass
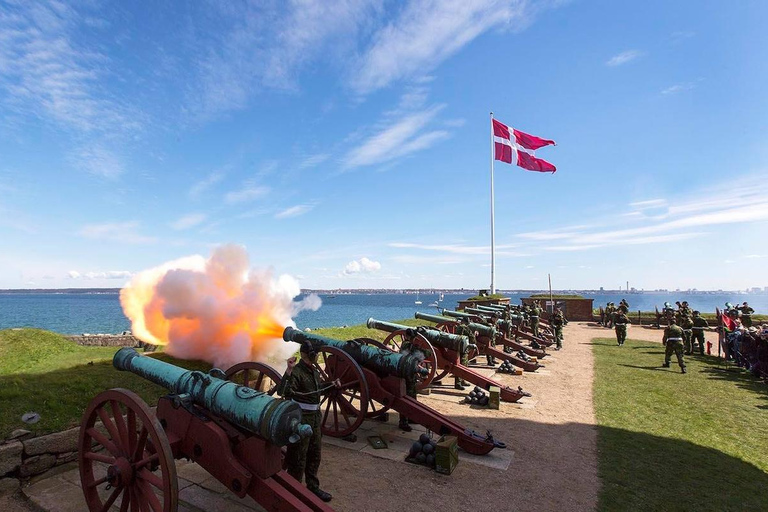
column 490, row 296
column 44, row 372
column 669, row 441
column 556, row 296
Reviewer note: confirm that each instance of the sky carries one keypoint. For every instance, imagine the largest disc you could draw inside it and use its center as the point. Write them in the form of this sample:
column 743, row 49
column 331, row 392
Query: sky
column 347, row 143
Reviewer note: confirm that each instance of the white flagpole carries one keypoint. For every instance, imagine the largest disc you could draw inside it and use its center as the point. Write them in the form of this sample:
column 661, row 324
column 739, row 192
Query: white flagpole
column 493, row 233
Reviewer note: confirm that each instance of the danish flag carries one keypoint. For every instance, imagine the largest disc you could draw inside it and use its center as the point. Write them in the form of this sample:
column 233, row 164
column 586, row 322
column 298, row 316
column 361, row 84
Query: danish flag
column 512, row 145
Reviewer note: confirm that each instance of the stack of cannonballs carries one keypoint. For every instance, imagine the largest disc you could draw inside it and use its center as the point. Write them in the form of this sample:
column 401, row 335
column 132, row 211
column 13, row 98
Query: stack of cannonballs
column 477, row 396
column 522, row 355
column 423, row 451
column 506, row 367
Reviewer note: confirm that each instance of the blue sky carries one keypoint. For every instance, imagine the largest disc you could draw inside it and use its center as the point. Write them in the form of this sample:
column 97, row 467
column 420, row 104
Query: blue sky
column 347, row 143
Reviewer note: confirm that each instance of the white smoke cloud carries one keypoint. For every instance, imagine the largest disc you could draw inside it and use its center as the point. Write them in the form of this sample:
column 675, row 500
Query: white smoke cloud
column 363, row 265
column 217, row 310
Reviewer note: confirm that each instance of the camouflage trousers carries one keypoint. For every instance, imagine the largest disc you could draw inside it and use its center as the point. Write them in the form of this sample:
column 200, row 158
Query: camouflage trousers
column 303, row 457
column 559, row 335
column 698, row 336
column 621, row 333
column 489, row 359
column 410, row 390
column 687, row 341
column 675, row 346
column 464, row 362
column 535, row 326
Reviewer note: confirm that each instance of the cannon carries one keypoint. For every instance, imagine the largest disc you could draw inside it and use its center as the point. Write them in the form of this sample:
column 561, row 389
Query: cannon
column 372, row 382
column 519, row 331
column 448, row 358
column 485, row 335
column 507, row 330
column 233, row 432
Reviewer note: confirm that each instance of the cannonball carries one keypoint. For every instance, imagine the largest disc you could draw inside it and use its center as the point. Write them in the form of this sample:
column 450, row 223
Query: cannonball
column 428, row 448
column 415, row 448
column 421, row 458
column 424, row 439
column 485, row 400
column 431, row 460
column 477, row 389
column 474, row 400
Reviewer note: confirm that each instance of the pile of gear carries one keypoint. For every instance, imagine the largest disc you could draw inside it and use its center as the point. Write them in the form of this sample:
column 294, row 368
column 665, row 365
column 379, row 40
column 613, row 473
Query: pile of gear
column 423, row 451
column 477, row 396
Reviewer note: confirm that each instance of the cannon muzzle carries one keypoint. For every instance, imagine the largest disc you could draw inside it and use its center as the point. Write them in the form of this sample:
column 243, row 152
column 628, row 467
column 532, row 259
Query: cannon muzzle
column 437, row 338
column 381, row 362
column 278, row 421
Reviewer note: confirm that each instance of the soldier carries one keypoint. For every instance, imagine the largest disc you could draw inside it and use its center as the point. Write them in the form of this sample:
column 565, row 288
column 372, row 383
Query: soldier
column 685, row 310
column 746, row 315
column 489, row 359
column 557, row 322
column 602, row 314
column 535, row 314
column 406, row 348
column 462, row 329
column 673, row 340
column 609, row 315
column 699, row 325
column 625, row 304
column 301, row 383
column 620, row 321
column 686, row 323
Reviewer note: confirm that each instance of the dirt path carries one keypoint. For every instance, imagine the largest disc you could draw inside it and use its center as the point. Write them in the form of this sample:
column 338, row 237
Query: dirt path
column 554, row 466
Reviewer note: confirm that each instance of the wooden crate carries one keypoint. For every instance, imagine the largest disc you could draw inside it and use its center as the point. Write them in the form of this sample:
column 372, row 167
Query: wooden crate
column 446, row 454
column 494, row 397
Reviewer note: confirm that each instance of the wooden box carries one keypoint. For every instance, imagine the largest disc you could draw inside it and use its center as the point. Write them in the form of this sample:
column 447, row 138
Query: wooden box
column 446, row 454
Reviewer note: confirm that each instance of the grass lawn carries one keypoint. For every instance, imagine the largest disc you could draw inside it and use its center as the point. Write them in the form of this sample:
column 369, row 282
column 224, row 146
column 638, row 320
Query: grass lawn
column 46, row 373
column 669, row 441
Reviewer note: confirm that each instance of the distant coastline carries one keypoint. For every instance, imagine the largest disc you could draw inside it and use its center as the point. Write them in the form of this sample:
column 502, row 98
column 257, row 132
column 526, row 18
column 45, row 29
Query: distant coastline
column 389, row 291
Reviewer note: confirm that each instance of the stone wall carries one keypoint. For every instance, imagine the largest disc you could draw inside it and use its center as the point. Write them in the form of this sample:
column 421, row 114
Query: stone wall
column 23, row 458
column 107, row 340
column 575, row 309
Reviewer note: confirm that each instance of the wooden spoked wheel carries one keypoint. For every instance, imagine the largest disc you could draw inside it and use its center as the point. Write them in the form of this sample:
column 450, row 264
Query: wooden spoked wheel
column 375, row 409
column 258, row 376
column 342, row 408
column 127, row 463
column 395, row 341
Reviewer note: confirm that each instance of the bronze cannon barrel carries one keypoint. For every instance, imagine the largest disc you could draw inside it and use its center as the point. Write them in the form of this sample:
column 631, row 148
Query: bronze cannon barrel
column 381, row 362
column 435, row 337
column 278, row 421
column 485, row 330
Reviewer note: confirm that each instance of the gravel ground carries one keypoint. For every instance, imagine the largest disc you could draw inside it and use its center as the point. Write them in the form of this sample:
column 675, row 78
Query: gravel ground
column 555, row 456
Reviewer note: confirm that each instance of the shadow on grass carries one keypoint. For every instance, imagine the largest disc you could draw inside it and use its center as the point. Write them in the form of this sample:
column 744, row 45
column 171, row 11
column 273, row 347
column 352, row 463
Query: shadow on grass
column 61, row 396
column 657, row 368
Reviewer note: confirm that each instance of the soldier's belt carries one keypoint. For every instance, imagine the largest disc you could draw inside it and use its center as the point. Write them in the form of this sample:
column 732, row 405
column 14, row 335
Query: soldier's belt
column 309, row 407
column 698, row 328
column 674, row 339
column 534, row 316
column 686, row 330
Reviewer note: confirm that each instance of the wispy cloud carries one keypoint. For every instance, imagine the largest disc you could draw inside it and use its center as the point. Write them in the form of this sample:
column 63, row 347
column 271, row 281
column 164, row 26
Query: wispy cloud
column 739, row 203
column 458, row 248
column 314, row 160
column 196, row 190
column 678, row 88
column 122, row 232
column 425, row 34
column 396, row 140
column 249, row 192
column 294, row 211
column 46, row 74
column 624, row 57
column 188, row 221
column 110, row 274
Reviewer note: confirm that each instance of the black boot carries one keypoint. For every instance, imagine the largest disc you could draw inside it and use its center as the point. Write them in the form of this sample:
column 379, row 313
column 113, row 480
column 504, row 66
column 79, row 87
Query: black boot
column 665, row 365
column 403, row 425
column 325, row 496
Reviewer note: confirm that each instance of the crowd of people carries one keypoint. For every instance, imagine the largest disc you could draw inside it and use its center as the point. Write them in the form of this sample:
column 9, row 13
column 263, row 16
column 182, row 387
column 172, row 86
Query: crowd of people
column 743, row 342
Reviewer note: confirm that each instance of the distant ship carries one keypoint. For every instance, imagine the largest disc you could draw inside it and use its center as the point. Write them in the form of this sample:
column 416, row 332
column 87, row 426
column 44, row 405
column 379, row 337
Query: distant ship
column 418, row 302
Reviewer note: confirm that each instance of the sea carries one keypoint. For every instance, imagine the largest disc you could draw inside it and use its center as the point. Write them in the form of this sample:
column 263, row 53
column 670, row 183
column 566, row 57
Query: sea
column 100, row 312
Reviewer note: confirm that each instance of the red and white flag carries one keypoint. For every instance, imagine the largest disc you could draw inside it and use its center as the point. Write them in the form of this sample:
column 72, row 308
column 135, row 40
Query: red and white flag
column 514, row 146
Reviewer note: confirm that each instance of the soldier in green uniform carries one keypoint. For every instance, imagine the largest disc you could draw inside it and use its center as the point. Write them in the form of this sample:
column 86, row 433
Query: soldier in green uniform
column 301, row 383
column 686, row 323
column 558, row 320
column 406, row 348
column 489, row 359
column 609, row 313
column 673, row 340
column 620, row 321
column 746, row 315
column 535, row 314
column 699, row 326
column 462, row 329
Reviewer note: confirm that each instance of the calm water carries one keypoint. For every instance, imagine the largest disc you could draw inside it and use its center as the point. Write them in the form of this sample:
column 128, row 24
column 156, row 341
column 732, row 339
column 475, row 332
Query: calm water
column 101, row 313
